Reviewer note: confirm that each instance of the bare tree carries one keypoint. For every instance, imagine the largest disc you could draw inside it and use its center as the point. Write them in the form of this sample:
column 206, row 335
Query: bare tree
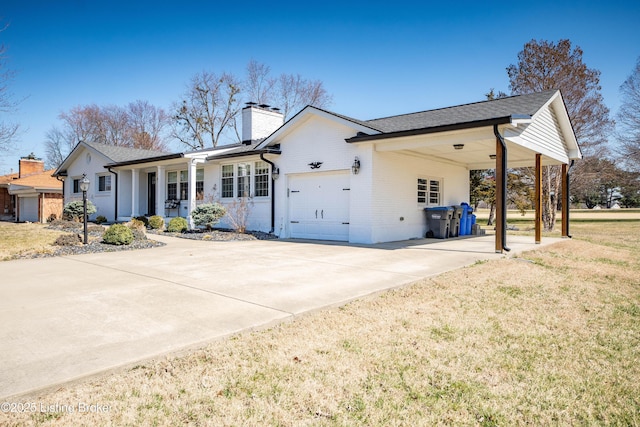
column 8, row 104
column 139, row 125
column 544, row 65
column 259, row 85
column 628, row 123
column 208, row 110
column 288, row 92
column 147, row 124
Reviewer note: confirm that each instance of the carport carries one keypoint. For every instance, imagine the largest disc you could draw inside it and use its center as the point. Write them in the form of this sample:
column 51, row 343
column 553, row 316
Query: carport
column 526, row 131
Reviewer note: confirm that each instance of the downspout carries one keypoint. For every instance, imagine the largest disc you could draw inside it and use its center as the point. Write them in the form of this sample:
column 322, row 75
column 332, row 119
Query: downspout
column 567, row 197
column 115, row 207
column 504, row 187
column 273, row 193
column 62, row 181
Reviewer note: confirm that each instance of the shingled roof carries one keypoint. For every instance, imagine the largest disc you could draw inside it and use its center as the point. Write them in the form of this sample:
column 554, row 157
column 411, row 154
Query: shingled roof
column 525, row 105
column 124, row 154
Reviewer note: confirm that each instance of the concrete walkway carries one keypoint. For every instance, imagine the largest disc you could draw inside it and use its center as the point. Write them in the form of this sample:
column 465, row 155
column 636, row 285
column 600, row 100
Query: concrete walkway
column 69, row 317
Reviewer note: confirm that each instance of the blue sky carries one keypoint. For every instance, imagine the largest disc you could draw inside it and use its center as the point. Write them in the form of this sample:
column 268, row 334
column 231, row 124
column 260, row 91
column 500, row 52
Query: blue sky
column 377, row 58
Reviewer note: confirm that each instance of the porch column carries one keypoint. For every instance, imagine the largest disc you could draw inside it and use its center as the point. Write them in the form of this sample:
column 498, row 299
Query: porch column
column 192, row 192
column 161, row 180
column 538, row 204
column 135, row 189
column 565, row 200
column 500, row 184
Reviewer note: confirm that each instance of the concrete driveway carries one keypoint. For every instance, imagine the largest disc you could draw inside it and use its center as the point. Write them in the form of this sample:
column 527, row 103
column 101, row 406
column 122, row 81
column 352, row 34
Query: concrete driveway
column 69, row 317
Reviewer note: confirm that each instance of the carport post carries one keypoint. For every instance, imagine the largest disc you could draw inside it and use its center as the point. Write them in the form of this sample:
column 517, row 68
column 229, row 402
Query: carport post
column 538, row 207
column 565, row 200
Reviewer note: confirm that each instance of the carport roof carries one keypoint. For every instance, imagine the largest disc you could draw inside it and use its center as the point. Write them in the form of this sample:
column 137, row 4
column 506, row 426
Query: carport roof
column 497, row 111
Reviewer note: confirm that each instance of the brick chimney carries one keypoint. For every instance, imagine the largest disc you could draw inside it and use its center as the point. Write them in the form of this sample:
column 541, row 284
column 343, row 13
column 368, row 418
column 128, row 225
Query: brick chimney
column 259, row 121
column 30, row 165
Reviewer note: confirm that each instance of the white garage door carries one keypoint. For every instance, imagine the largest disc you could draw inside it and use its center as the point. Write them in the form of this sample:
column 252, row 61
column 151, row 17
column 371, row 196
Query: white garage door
column 28, row 209
column 319, row 206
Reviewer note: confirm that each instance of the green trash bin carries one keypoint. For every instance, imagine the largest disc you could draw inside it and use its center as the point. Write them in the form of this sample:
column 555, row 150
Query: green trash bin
column 439, row 221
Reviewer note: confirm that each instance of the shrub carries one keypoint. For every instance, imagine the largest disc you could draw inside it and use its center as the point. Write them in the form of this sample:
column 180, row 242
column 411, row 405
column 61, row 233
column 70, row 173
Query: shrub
column 138, row 228
column 177, row 225
column 156, row 222
column 74, row 210
column 208, row 214
column 100, row 219
column 143, row 219
column 238, row 213
column 118, row 234
column 68, row 240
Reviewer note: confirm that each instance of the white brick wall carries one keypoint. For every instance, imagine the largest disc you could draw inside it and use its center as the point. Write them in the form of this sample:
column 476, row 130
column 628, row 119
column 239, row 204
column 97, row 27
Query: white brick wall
column 259, row 122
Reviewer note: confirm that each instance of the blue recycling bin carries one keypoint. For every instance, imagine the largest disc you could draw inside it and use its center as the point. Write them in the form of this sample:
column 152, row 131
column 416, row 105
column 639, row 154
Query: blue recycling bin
column 438, row 221
column 464, row 218
column 471, row 219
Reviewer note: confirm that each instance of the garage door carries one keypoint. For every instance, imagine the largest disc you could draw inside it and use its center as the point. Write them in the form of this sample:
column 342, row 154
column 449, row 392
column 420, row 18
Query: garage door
column 319, row 206
column 28, row 209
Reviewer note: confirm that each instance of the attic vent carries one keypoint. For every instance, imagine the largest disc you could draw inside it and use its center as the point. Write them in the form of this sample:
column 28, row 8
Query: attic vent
column 275, row 109
column 264, row 105
column 251, row 103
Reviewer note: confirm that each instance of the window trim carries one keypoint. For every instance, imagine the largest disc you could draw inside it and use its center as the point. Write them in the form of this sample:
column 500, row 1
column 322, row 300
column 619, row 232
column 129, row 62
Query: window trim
column 98, row 178
column 427, row 190
column 234, row 178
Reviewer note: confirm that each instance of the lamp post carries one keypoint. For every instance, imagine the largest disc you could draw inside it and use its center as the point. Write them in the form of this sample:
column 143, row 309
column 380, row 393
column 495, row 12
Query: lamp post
column 84, row 186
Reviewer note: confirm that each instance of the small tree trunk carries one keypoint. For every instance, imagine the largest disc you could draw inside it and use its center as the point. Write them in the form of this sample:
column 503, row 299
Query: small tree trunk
column 492, row 213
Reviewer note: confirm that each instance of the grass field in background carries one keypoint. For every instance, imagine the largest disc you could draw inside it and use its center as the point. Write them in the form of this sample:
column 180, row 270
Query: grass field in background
column 549, row 337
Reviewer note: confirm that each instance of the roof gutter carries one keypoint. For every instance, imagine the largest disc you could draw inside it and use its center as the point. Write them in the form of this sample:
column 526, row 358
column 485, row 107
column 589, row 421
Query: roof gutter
column 145, row 160
column 503, row 220
column 243, row 154
column 434, row 129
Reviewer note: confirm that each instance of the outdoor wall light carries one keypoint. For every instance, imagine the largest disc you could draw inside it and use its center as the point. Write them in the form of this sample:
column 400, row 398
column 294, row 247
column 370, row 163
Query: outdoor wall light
column 84, row 186
column 275, row 173
column 355, row 167
column 458, row 146
column 492, row 156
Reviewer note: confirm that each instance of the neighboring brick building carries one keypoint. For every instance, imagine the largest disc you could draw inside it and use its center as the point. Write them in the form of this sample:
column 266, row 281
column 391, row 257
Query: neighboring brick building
column 32, row 194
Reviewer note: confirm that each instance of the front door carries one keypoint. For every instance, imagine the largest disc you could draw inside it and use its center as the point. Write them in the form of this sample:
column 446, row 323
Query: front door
column 151, row 194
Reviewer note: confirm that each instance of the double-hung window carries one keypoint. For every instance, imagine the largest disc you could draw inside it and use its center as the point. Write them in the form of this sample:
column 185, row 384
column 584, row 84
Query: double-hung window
column 227, row 181
column 76, row 185
column 104, row 183
column 261, row 180
column 429, row 191
column 199, row 184
column 178, row 185
column 184, row 185
column 244, row 180
column 172, row 186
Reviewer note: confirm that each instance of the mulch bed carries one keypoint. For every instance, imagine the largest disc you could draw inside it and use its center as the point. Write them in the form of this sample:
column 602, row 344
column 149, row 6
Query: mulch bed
column 95, row 244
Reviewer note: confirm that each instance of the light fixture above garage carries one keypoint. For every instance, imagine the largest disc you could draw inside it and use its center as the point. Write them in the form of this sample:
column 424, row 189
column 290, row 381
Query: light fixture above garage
column 355, row 168
column 492, row 156
column 458, row 146
column 275, row 173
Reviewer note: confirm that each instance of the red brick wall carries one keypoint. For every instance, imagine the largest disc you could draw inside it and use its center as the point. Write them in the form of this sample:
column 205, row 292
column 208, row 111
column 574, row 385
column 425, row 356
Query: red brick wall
column 30, row 167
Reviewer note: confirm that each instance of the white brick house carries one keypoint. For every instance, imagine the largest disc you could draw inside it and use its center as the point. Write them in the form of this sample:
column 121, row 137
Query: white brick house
column 340, row 178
